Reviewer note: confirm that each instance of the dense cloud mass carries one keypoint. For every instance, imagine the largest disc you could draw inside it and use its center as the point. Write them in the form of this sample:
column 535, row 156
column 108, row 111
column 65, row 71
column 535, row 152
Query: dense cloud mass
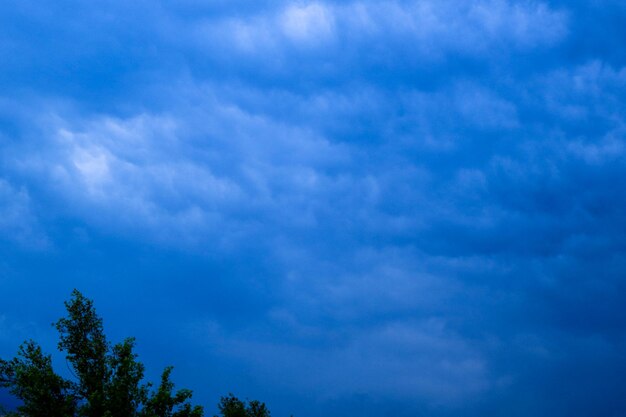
column 389, row 208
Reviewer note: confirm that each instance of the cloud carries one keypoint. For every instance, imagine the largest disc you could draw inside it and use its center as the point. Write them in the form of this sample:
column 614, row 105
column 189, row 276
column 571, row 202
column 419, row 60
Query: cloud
column 306, row 24
column 184, row 176
column 386, row 34
column 18, row 223
column 399, row 360
column 398, row 207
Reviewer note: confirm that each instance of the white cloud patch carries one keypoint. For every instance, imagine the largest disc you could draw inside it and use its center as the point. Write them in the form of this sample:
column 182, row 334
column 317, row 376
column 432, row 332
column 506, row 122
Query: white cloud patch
column 310, row 24
column 192, row 176
column 122, row 170
column 430, row 29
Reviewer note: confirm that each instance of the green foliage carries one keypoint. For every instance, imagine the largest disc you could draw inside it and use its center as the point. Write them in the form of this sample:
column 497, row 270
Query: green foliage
column 125, row 393
column 82, row 338
column 257, row 409
column 231, row 406
column 30, row 377
column 108, row 378
column 165, row 403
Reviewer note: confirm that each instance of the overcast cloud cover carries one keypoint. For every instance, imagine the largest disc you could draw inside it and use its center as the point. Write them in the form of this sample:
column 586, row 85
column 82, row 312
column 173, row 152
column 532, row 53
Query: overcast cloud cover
column 390, row 208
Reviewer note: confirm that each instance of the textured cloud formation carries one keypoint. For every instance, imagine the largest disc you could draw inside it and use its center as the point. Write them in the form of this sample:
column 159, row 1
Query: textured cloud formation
column 345, row 208
column 17, row 221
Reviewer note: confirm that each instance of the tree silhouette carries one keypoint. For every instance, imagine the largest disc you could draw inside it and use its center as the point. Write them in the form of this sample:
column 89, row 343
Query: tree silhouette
column 231, row 406
column 30, row 378
column 108, row 379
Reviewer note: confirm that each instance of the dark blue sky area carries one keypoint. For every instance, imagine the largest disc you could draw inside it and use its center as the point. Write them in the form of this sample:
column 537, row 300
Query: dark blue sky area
column 390, row 208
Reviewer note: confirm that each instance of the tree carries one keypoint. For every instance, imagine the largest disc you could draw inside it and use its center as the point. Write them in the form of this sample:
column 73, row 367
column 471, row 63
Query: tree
column 108, row 379
column 257, row 409
column 231, row 406
column 165, row 403
column 30, row 377
column 126, row 394
column 87, row 350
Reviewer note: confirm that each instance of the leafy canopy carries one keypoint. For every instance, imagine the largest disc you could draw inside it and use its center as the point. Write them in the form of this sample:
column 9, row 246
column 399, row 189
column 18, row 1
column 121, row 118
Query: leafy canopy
column 231, row 406
column 108, row 378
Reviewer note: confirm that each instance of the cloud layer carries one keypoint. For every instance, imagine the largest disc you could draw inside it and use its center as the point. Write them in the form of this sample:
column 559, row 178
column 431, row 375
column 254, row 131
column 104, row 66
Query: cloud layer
column 374, row 208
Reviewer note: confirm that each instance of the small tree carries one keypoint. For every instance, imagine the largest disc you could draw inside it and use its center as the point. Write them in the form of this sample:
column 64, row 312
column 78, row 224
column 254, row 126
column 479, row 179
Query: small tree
column 231, row 406
column 109, row 379
column 165, row 403
column 257, row 409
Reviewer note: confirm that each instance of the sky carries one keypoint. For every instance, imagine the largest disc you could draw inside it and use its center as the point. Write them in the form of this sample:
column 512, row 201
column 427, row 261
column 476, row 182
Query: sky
column 341, row 208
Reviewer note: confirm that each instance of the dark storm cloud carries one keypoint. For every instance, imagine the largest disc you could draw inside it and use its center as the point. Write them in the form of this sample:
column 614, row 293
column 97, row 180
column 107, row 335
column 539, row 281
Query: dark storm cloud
column 377, row 208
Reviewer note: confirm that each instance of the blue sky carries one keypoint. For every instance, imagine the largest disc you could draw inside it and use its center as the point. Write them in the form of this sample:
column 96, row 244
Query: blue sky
column 391, row 208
